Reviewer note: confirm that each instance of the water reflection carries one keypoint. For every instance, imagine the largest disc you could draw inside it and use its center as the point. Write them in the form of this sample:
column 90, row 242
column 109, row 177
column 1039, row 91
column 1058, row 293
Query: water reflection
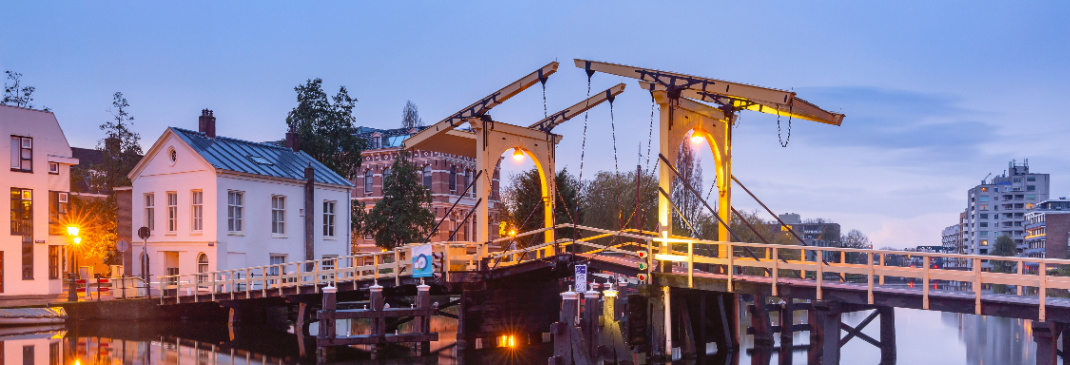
column 923, row 337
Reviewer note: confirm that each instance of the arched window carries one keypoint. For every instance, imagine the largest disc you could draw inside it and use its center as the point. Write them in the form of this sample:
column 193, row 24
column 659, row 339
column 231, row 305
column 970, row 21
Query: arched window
column 202, row 268
column 368, row 182
column 427, row 176
column 453, row 178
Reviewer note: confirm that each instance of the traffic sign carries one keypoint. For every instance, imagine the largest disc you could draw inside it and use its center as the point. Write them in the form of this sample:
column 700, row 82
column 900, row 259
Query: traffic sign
column 122, row 246
column 581, row 278
column 143, row 233
column 422, row 262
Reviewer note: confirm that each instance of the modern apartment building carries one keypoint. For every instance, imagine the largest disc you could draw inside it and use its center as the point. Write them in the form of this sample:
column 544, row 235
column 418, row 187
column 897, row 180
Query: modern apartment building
column 1048, row 229
column 998, row 206
column 36, row 189
column 445, row 174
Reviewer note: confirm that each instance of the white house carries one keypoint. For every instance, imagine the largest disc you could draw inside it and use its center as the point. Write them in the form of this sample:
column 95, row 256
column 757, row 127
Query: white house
column 215, row 203
column 36, row 193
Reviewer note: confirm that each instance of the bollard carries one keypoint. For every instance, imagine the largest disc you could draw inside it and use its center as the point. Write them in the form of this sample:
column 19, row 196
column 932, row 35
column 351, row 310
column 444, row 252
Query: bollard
column 324, row 352
column 423, row 323
column 590, row 318
column 563, row 328
column 378, row 323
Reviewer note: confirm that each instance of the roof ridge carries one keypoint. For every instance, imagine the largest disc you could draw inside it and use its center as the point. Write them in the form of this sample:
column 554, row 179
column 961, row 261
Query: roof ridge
column 30, row 109
column 264, row 144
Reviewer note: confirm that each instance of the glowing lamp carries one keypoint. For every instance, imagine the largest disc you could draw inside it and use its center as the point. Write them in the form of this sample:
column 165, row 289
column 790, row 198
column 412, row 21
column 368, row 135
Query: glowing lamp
column 696, row 138
column 518, row 155
column 72, row 230
column 77, row 240
column 512, row 232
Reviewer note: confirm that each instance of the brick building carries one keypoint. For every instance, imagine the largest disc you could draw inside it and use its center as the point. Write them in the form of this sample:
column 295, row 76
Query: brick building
column 445, row 174
column 1048, row 229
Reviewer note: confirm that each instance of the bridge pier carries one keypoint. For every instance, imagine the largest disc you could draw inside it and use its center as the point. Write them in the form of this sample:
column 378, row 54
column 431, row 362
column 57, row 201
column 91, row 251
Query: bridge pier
column 1046, row 335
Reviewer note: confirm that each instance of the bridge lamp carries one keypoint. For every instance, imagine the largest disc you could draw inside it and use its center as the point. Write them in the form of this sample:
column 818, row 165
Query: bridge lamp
column 698, row 136
column 518, row 155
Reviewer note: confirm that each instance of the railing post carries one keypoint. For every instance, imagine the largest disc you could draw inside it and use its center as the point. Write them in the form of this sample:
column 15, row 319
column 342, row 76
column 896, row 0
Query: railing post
column 248, row 284
column 869, row 278
column 1043, row 266
column 881, row 277
column 820, row 275
column 397, row 267
column 690, row 265
column 316, row 275
column 776, row 272
column 446, row 263
column 977, row 285
column 214, row 274
column 264, row 281
column 925, row 283
column 730, row 270
column 1021, row 279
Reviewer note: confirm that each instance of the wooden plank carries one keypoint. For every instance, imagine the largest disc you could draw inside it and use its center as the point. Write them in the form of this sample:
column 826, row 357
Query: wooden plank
column 555, row 119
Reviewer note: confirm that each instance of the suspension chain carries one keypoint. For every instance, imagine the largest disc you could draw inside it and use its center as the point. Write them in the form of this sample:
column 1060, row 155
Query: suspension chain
column 583, row 145
column 650, row 134
column 783, row 142
column 613, row 129
column 545, row 113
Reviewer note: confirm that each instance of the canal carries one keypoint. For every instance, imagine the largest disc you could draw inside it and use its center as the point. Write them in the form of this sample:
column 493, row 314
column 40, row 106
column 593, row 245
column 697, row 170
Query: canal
column 923, row 337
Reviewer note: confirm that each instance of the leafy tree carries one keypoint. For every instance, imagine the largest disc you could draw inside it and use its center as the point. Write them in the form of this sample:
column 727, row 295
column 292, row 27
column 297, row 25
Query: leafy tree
column 16, row 94
column 410, row 117
column 120, row 148
column 855, row 239
column 404, row 214
column 325, row 127
column 96, row 221
column 523, row 203
column 1004, row 247
column 609, row 201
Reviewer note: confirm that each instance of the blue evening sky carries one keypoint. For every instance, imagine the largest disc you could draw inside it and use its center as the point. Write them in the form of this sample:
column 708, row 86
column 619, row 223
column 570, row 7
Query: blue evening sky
column 937, row 93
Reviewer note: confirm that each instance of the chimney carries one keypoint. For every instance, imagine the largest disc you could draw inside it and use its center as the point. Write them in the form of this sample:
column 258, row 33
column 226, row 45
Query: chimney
column 207, row 123
column 310, row 208
column 292, row 142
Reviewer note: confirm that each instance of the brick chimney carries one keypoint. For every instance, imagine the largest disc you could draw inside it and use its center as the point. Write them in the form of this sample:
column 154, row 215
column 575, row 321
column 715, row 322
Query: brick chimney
column 207, row 123
column 292, row 142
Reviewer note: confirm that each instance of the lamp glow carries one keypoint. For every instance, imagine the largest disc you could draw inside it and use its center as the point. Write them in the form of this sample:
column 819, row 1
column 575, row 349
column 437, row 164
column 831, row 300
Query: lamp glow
column 72, row 230
column 696, row 137
column 77, row 240
column 518, row 155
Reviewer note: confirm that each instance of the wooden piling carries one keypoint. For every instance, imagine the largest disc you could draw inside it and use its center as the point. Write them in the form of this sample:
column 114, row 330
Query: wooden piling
column 888, row 351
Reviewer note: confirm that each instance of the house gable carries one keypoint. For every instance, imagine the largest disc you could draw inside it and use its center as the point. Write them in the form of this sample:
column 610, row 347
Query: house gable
column 158, row 161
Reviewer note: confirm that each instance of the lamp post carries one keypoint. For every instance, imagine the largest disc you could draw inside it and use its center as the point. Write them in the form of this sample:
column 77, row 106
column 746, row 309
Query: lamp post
column 72, row 290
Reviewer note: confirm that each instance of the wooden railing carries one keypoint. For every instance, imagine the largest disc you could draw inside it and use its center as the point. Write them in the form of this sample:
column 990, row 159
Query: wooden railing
column 866, row 268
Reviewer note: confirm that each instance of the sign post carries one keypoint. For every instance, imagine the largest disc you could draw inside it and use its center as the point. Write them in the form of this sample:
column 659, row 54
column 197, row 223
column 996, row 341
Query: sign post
column 422, row 261
column 581, row 278
column 143, row 233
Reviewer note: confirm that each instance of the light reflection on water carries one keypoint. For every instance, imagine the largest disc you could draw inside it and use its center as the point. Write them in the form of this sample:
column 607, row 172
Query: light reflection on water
column 923, row 337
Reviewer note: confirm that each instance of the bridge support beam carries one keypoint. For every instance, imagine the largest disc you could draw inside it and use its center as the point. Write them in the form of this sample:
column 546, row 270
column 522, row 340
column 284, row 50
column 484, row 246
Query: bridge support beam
column 888, row 346
column 828, row 322
column 1046, row 335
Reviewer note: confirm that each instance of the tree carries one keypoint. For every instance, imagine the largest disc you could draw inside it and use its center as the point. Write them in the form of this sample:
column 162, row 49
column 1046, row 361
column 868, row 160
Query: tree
column 1004, row 247
column 96, row 221
column 410, row 117
column 609, row 201
column 404, row 214
column 120, row 148
column 690, row 205
column 855, row 239
column 325, row 127
column 16, row 94
column 523, row 203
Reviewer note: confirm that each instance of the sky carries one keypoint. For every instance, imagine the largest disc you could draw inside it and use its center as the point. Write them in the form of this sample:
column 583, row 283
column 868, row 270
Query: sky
column 936, row 94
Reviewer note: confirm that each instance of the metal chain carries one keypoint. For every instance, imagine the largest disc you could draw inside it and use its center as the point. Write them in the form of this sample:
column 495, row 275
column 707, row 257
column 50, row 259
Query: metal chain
column 613, row 129
column 783, row 142
column 545, row 113
column 650, row 134
column 583, row 145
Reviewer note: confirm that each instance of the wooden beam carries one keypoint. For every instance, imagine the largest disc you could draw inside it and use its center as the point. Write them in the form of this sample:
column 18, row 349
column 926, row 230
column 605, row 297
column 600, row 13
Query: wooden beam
column 697, row 83
column 482, row 106
column 548, row 123
column 797, row 108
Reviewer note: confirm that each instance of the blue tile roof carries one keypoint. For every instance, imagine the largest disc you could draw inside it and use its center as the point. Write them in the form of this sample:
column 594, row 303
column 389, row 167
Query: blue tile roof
column 257, row 158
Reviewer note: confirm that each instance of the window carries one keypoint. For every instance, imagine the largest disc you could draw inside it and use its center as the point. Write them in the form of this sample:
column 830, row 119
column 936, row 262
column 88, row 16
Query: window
column 278, row 215
column 386, row 172
column 172, row 212
column 1030, row 188
column 57, row 212
column 984, row 216
column 328, row 218
column 53, row 262
column 984, row 242
column 53, row 168
column 984, row 233
column 984, row 198
column 984, row 224
column 453, row 178
column 197, row 208
column 21, row 154
column 27, row 354
column 984, row 189
column 202, row 268
column 1030, row 197
column 22, row 225
column 275, row 260
column 328, row 262
column 368, row 182
column 235, row 210
column 1031, row 178
column 427, row 177
column 150, row 212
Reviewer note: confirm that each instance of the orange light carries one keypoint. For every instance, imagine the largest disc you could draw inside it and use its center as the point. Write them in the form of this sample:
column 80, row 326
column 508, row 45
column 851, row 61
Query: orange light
column 512, row 232
column 518, row 155
column 696, row 138
column 77, row 240
column 511, row 342
column 72, row 230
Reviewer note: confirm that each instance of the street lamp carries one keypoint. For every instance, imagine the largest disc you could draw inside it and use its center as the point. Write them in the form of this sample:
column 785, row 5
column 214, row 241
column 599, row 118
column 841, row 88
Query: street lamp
column 72, row 291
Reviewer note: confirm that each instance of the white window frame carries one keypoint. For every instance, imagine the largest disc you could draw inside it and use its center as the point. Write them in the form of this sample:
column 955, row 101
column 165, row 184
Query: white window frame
column 329, row 217
column 172, row 212
column 278, row 215
column 369, row 182
column 150, row 212
column 53, row 168
column 196, row 198
column 235, row 211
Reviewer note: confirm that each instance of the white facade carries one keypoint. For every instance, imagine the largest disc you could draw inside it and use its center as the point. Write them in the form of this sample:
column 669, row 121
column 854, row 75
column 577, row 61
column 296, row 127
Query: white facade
column 31, row 260
column 217, row 236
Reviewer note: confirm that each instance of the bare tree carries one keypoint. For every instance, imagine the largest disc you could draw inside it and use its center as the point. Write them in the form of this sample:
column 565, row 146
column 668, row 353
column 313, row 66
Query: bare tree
column 16, row 94
column 855, row 239
column 410, row 117
column 687, row 202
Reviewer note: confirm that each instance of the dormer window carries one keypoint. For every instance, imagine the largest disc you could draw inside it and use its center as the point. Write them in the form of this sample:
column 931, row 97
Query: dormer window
column 260, row 160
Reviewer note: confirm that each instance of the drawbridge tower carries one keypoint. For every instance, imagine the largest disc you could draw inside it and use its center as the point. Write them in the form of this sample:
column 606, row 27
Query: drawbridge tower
column 486, row 140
